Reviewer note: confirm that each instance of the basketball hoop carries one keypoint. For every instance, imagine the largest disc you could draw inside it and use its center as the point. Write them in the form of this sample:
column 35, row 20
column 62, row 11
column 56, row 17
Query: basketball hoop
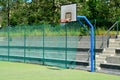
column 68, row 13
column 63, row 21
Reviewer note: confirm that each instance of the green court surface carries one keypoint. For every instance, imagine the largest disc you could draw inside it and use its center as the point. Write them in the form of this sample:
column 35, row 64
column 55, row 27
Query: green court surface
column 22, row 71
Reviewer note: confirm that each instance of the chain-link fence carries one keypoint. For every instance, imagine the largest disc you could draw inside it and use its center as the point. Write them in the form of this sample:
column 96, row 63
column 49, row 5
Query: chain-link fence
column 41, row 44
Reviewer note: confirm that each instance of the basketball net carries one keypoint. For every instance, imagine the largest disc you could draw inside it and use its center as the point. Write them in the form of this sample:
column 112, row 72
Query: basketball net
column 64, row 20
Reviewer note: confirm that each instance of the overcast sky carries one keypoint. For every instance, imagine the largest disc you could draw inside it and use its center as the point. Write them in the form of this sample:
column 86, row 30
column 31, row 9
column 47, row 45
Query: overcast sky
column 29, row 1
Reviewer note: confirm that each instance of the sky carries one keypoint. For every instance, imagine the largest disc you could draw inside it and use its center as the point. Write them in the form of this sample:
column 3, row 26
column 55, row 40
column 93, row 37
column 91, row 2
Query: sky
column 29, row 1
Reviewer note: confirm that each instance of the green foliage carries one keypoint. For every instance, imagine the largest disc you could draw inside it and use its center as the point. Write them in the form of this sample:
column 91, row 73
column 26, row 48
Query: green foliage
column 114, row 8
column 106, row 12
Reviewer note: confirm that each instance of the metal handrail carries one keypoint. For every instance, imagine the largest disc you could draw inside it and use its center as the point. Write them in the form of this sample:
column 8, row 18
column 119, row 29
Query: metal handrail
column 107, row 34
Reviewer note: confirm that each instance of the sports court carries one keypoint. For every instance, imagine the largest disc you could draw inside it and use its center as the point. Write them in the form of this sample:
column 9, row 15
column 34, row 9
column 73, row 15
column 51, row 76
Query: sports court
column 21, row 71
column 58, row 48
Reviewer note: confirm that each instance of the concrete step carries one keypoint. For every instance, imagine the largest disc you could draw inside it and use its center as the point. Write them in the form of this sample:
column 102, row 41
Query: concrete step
column 111, row 40
column 98, row 68
column 109, row 52
column 114, row 40
column 100, row 58
column 113, row 59
column 117, row 51
column 114, row 45
column 118, row 36
column 111, row 66
column 117, row 41
column 82, row 67
column 105, row 55
column 84, row 57
column 100, row 61
column 109, row 49
column 97, row 64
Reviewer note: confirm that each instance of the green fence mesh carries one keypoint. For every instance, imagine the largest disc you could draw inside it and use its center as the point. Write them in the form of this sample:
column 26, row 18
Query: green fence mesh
column 41, row 44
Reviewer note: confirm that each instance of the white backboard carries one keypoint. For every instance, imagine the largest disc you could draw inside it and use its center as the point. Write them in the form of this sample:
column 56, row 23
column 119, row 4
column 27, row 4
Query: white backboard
column 68, row 12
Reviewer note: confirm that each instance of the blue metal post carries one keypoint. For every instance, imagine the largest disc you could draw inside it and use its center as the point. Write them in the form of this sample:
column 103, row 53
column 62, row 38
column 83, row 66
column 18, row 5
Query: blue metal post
column 92, row 54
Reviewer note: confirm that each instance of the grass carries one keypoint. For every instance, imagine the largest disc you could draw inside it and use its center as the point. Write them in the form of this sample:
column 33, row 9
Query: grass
column 21, row 71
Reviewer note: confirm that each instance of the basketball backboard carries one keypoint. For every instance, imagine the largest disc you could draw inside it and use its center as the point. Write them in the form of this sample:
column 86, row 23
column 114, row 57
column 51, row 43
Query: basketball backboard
column 68, row 12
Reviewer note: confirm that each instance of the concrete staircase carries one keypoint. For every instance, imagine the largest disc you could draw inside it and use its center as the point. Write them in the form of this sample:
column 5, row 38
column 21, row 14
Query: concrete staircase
column 109, row 51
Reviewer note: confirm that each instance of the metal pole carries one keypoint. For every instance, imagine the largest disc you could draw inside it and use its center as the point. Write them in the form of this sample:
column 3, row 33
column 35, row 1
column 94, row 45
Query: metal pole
column 117, row 29
column 8, row 28
column 92, row 50
column 8, row 13
column 53, row 10
column 92, row 45
column 24, row 44
column 8, row 42
column 92, row 56
column 43, row 44
column 66, row 47
column 95, row 44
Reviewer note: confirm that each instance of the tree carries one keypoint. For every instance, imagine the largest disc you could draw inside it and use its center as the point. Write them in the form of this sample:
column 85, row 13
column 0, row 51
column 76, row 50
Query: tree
column 102, row 15
column 114, row 8
column 48, row 11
